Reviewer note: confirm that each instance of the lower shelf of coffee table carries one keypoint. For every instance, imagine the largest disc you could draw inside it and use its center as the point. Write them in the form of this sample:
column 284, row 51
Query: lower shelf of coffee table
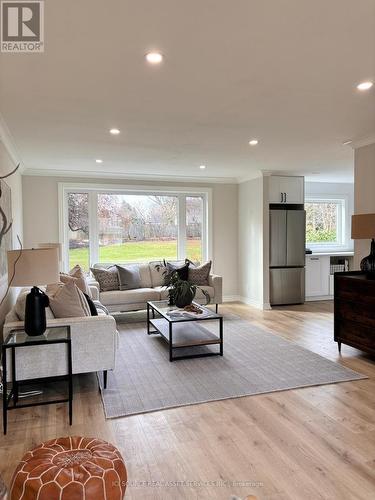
column 186, row 334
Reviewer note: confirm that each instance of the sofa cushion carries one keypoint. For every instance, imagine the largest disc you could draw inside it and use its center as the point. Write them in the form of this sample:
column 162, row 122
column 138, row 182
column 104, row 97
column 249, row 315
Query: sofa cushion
column 129, row 276
column 67, row 301
column 139, row 295
column 163, row 292
column 198, row 296
column 20, row 305
column 157, row 275
column 107, row 278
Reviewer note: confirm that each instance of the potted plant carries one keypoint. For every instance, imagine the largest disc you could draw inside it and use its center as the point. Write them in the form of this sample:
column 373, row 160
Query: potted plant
column 181, row 292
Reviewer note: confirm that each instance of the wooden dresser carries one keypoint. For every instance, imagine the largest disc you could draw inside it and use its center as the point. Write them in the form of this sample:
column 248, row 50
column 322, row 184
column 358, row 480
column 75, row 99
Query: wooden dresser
column 354, row 321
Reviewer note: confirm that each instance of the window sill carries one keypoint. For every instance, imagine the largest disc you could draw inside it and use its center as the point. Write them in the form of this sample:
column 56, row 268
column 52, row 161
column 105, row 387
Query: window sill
column 332, row 253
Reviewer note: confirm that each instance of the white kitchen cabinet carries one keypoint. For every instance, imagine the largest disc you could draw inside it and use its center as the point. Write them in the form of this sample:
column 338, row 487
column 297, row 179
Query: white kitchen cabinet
column 317, row 276
column 286, row 189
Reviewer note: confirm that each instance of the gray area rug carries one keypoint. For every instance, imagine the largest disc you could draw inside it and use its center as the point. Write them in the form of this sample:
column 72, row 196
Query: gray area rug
column 254, row 362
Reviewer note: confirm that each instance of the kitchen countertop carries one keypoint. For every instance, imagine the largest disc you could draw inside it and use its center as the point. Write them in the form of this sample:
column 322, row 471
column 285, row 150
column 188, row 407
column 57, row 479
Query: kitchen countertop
column 349, row 253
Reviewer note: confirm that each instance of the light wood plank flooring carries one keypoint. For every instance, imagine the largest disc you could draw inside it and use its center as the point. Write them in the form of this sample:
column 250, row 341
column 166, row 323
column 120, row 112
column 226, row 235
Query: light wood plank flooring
column 312, row 443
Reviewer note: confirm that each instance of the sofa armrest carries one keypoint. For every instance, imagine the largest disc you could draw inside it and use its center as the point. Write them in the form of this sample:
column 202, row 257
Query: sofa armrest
column 217, row 283
column 94, row 344
column 94, row 290
column 84, row 323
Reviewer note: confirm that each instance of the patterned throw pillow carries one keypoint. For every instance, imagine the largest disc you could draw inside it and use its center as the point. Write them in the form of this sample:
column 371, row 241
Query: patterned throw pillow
column 107, row 278
column 198, row 275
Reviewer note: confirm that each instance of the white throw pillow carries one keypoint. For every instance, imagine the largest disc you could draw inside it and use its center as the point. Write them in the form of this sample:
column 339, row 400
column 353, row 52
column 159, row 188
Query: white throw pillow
column 79, row 276
column 67, row 301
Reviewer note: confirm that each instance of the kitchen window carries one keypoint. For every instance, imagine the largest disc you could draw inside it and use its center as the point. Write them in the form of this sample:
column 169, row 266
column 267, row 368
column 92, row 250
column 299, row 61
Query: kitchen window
column 327, row 223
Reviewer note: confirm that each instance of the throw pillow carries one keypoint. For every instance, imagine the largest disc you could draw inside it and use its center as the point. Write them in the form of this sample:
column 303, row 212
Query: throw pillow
column 129, row 277
column 198, row 275
column 80, row 275
column 92, row 307
column 67, row 301
column 182, row 270
column 107, row 278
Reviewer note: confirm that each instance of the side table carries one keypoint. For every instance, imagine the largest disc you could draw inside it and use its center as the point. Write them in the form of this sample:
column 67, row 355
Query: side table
column 19, row 339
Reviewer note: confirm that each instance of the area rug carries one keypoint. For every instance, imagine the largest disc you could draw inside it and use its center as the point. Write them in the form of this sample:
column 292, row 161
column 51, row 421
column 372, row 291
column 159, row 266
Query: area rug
column 254, row 362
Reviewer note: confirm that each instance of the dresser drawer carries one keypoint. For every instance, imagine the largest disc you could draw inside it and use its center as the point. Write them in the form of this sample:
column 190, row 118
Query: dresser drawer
column 360, row 313
column 360, row 336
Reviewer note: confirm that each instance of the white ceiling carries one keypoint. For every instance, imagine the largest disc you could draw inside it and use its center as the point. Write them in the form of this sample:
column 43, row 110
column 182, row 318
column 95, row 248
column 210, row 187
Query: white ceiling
column 283, row 71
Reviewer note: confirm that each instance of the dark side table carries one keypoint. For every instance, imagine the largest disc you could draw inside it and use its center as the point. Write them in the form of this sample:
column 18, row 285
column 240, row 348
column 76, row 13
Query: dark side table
column 19, row 339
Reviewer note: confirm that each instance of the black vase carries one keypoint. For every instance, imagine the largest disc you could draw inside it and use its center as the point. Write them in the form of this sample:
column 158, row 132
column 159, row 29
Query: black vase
column 183, row 300
column 368, row 263
column 35, row 313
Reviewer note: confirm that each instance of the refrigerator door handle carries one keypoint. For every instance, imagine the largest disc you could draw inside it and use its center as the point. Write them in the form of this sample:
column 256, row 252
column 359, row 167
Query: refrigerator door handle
column 282, row 197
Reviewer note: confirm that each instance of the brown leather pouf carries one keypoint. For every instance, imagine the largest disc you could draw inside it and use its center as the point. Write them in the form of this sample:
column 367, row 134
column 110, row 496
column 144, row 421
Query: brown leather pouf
column 70, row 468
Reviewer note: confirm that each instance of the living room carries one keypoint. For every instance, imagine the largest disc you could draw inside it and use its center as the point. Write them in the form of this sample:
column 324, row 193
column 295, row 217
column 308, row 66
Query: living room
column 187, row 249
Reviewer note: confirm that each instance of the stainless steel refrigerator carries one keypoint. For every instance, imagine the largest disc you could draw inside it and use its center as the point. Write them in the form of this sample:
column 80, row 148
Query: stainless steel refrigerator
column 287, row 256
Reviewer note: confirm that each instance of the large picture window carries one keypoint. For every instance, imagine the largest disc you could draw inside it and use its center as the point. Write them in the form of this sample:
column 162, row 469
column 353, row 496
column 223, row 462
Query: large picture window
column 118, row 226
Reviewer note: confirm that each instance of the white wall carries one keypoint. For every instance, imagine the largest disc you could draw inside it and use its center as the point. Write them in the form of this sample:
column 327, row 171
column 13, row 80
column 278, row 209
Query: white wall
column 40, row 196
column 335, row 189
column 364, row 193
column 14, row 182
column 253, row 244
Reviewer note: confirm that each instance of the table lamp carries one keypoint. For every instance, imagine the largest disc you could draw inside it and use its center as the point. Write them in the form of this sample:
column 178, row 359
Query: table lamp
column 53, row 245
column 34, row 267
column 363, row 228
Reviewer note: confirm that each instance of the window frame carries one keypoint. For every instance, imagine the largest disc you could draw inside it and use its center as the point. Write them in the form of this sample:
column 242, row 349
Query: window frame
column 343, row 222
column 94, row 189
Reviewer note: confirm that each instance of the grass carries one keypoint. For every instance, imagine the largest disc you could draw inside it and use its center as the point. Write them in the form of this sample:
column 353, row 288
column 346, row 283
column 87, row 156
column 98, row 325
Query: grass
column 135, row 251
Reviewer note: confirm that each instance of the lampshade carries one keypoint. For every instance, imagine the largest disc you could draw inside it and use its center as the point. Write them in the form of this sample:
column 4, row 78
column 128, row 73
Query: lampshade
column 52, row 245
column 363, row 226
column 37, row 266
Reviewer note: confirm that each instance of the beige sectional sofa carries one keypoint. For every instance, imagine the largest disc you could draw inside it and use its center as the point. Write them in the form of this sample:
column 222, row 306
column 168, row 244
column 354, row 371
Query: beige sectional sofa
column 152, row 280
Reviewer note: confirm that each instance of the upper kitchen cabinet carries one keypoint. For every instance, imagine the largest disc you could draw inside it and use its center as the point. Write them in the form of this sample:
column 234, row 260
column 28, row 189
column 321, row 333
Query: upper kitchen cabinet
column 286, row 190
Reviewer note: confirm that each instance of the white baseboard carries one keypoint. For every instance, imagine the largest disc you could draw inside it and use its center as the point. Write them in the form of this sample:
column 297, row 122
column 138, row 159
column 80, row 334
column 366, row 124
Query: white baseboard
column 319, row 297
column 264, row 306
column 231, row 298
column 247, row 301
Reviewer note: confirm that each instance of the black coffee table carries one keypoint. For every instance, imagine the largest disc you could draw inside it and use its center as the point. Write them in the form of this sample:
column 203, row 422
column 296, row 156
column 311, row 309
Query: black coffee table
column 186, row 330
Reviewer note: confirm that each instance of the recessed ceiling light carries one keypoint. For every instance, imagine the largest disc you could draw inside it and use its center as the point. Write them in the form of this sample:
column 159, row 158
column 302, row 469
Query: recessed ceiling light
column 154, row 57
column 253, row 142
column 114, row 131
column 99, row 160
column 365, row 85
column 202, row 167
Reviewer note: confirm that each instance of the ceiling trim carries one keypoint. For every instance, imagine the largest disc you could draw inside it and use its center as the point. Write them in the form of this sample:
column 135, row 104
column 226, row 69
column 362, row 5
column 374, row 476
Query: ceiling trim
column 120, row 175
column 9, row 144
column 364, row 141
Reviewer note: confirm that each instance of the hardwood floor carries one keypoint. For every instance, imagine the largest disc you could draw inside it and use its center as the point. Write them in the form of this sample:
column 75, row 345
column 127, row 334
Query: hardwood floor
column 309, row 443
